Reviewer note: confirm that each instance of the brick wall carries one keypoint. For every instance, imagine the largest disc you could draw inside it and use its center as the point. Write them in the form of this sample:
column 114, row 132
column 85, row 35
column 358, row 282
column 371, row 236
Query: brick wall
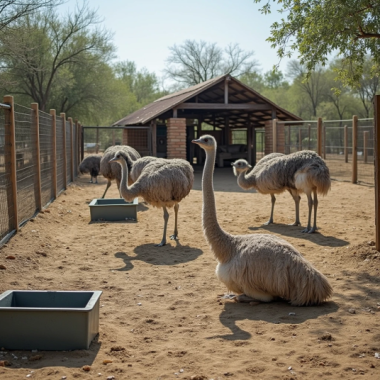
column 176, row 138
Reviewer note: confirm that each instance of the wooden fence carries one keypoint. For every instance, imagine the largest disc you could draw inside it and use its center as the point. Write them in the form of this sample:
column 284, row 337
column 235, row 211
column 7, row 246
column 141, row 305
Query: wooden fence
column 39, row 157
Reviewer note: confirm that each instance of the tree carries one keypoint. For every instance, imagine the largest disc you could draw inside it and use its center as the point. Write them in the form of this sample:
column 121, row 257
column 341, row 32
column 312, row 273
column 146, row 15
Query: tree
column 12, row 10
column 195, row 62
column 318, row 29
column 41, row 53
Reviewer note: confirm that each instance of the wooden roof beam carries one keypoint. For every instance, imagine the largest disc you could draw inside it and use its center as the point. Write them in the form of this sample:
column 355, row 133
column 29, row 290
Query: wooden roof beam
column 224, row 107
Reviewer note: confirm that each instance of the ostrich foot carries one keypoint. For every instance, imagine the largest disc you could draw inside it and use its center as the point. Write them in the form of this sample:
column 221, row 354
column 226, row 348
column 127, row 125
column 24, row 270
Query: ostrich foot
column 243, row 298
column 270, row 221
column 163, row 242
column 173, row 237
column 314, row 229
column 294, row 224
column 309, row 230
column 228, row 296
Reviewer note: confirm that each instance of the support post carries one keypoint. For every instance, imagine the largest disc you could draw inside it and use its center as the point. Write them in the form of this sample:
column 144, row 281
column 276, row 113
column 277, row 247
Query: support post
column 254, row 147
column 345, row 143
column 153, row 125
column 274, row 132
column 249, row 143
column 10, row 141
column 36, row 124
column 354, row 149
column 377, row 168
column 54, row 153
column 70, row 119
column 319, row 136
column 365, row 146
column 63, row 117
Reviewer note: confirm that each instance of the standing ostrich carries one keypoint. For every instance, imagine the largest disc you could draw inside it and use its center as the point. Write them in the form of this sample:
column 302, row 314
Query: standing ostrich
column 91, row 164
column 112, row 170
column 257, row 267
column 298, row 172
column 162, row 183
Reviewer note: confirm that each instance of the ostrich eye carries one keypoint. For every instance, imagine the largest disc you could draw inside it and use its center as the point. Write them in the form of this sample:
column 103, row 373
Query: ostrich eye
column 206, row 140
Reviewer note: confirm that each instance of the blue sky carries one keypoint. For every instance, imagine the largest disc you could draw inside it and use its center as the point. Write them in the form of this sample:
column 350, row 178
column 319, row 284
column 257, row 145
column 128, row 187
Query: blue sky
column 145, row 29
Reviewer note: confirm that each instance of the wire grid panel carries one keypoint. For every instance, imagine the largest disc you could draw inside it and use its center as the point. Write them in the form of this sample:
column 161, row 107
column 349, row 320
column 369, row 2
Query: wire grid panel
column 60, row 137
column 68, row 152
column 75, row 150
column 98, row 139
column 295, row 137
column 26, row 153
column 46, row 157
column 366, row 153
column 6, row 199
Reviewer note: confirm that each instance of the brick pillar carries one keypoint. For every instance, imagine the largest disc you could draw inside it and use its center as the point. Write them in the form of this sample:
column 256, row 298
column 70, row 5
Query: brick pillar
column 176, row 138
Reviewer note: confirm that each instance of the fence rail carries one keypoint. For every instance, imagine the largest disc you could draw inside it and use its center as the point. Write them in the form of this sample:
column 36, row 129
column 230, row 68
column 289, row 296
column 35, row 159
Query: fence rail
column 347, row 146
column 39, row 155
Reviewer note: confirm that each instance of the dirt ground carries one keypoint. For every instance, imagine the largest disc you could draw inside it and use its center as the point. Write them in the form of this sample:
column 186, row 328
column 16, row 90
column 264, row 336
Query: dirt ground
column 160, row 317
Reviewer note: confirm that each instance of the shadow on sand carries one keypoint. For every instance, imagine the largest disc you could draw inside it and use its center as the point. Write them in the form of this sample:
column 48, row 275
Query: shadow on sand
column 295, row 232
column 167, row 255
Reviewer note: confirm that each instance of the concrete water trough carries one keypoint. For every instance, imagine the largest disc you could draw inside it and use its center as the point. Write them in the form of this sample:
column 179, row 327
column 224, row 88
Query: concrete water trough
column 48, row 320
column 113, row 210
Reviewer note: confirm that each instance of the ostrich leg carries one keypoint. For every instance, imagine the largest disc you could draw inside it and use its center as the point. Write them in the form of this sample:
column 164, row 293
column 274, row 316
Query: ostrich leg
column 315, row 202
column 297, row 199
column 166, row 218
column 273, row 201
column 108, row 185
column 175, row 234
column 310, row 204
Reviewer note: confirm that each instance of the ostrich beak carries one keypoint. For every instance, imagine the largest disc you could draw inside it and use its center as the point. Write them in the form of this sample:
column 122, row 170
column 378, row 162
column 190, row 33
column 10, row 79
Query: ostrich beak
column 112, row 159
column 197, row 141
column 233, row 164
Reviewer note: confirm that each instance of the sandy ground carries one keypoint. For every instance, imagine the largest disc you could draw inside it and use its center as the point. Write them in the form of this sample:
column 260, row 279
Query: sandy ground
column 160, row 317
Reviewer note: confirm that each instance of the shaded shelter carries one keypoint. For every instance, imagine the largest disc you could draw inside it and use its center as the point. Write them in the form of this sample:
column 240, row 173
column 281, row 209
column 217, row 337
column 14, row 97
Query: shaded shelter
column 224, row 103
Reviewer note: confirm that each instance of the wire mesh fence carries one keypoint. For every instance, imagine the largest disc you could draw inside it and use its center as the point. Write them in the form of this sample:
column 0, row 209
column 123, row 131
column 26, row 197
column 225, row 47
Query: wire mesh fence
column 32, row 162
column 336, row 145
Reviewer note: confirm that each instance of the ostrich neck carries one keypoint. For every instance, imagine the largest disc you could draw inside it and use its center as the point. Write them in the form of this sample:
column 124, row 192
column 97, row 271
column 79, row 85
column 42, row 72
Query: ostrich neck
column 219, row 240
column 128, row 193
column 246, row 180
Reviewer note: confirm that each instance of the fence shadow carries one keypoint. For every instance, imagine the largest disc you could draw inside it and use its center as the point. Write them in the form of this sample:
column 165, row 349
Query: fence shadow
column 295, row 232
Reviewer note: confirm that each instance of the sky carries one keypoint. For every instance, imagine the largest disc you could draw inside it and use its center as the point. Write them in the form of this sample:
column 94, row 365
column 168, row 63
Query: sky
column 143, row 30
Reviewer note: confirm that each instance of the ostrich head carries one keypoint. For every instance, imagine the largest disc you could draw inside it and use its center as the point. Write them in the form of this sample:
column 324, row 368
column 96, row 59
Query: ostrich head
column 207, row 142
column 119, row 156
column 240, row 166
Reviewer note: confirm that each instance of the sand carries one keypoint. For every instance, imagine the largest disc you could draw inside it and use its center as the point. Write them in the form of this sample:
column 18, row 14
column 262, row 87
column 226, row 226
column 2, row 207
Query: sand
column 160, row 316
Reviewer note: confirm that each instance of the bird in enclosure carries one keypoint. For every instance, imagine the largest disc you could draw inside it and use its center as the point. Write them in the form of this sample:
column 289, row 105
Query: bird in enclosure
column 299, row 172
column 111, row 170
column 91, row 165
column 161, row 183
column 257, row 267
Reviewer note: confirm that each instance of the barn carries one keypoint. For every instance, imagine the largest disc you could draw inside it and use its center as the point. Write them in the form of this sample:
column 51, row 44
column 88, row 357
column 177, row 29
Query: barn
column 235, row 114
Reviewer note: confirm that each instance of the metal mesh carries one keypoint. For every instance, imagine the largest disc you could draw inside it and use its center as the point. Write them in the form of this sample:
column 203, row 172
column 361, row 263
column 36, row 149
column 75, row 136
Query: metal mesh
column 6, row 201
column 46, row 157
column 68, row 152
column 366, row 153
column 26, row 153
column 292, row 138
column 98, row 139
column 60, row 154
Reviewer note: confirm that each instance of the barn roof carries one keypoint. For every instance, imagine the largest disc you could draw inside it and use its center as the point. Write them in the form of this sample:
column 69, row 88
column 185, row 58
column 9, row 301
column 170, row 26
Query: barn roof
column 213, row 101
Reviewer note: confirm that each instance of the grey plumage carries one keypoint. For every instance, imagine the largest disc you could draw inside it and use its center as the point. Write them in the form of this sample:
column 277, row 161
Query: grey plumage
column 303, row 171
column 91, row 165
column 111, row 170
column 257, row 267
column 160, row 182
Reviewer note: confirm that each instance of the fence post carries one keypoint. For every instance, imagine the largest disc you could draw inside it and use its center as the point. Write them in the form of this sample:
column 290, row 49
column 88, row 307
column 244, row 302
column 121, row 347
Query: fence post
column 54, row 149
column 345, row 143
column 300, row 138
column 36, row 122
column 319, row 136
column 274, row 132
column 324, row 140
column 354, row 149
column 10, row 135
column 63, row 117
column 365, row 146
column 81, row 142
column 70, row 120
column 377, row 168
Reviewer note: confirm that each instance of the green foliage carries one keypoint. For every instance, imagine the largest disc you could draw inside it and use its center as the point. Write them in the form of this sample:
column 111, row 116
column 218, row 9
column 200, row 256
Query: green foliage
column 318, row 29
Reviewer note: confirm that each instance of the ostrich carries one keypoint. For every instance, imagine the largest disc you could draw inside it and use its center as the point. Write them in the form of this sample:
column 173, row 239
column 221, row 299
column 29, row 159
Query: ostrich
column 162, row 183
column 298, row 172
column 257, row 267
column 112, row 170
column 91, row 164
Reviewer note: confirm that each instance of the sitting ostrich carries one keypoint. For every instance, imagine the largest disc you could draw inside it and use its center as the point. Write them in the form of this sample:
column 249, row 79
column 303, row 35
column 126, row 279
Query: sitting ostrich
column 298, row 172
column 112, row 170
column 257, row 267
column 91, row 164
column 162, row 183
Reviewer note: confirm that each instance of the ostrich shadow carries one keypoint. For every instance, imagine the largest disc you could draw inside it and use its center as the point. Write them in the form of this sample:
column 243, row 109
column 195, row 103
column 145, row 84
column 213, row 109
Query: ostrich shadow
column 166, row 255
column 274, row 312
column 295, row 232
